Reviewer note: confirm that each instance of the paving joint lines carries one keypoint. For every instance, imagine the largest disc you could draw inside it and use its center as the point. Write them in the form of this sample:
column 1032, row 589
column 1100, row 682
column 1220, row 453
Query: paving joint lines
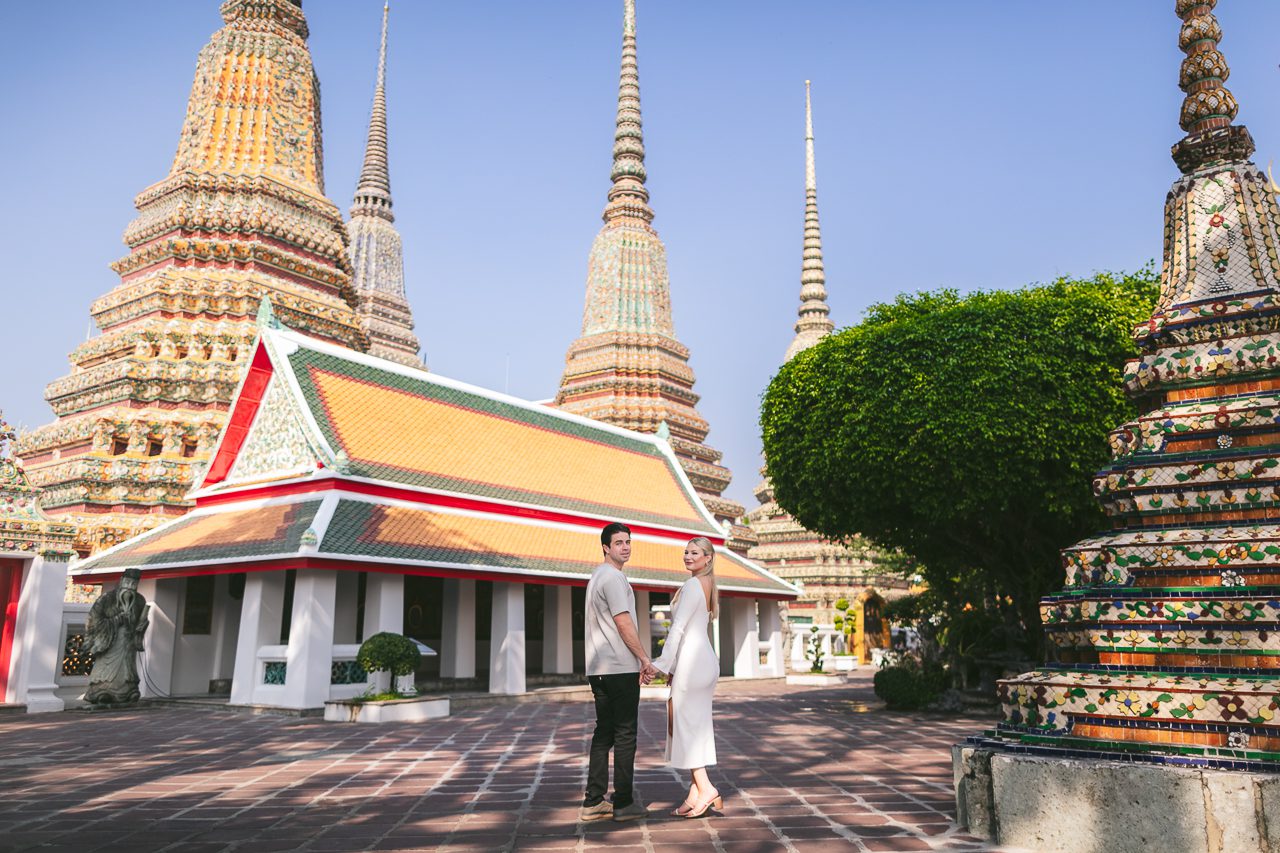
column 801, row 771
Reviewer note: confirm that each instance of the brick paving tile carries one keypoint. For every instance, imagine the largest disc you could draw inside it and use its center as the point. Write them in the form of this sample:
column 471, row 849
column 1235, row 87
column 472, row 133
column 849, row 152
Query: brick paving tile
column 802, row 771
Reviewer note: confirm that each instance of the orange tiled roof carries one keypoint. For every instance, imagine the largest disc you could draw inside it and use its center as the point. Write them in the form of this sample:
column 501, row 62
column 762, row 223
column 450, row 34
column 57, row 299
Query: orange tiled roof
column 411, row 428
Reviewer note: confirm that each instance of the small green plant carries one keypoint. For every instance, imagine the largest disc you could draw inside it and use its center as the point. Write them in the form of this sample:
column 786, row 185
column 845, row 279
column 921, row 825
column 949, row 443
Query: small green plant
column 842, row 605
column 909, row 685
column 815, row 650
column 386, row 651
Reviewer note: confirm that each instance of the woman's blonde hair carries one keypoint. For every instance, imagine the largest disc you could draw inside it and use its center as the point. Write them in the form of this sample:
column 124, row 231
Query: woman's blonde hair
column 709, row 570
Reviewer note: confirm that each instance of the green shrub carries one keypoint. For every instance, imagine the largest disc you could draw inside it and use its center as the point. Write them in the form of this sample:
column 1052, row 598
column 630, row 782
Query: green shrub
column 389, row 651
column 910, row 686
column 842, row 604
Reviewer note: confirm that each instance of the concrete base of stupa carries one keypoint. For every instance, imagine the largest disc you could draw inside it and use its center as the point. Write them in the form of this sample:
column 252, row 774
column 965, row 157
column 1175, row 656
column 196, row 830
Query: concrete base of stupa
column 1091, row 805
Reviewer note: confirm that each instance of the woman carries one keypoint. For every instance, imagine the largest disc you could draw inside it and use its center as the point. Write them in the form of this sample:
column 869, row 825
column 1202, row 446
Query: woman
column 690, row 659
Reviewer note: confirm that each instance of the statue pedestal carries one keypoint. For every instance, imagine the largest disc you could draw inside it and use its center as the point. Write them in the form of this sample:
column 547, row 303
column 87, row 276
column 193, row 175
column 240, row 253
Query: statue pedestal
column 1073, row 804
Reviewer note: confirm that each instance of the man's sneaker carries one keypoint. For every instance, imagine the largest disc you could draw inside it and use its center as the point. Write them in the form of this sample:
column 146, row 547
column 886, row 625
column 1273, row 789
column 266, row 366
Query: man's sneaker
column 632, row 812
column 602, row 810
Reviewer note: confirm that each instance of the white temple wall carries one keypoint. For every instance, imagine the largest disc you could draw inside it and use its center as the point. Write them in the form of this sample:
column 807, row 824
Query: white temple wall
column 557, row 629
column 771, row 636
column 156, row 669
column 506, row 641
column 384, row 604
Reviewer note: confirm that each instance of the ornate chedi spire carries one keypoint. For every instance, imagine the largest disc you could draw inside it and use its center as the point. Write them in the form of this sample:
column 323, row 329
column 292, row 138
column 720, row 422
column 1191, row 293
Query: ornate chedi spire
column 815, row 321
column 377, row 258
column 1164, row 641
column 241, row 216
column 628, row 368
column 827, row 571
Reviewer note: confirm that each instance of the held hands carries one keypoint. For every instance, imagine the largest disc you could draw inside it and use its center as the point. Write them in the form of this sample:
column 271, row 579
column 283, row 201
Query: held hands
column 648, row 673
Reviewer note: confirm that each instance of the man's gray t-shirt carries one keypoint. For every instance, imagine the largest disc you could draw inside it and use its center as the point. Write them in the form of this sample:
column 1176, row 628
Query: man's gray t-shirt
column 608, row 594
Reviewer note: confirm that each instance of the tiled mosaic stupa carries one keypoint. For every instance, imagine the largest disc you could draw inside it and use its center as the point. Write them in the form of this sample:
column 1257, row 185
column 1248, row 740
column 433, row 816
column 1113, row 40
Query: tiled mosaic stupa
column 1165, row 645
column 377, row 258
column 828, row 570
column 628, row 368
column 241, row 215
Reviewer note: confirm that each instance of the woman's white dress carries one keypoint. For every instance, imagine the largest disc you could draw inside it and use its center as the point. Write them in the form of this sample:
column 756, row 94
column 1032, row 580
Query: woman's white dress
column 691, row 660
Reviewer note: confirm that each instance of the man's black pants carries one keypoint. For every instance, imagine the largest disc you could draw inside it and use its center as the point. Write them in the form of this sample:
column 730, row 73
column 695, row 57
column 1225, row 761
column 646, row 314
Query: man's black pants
column 617, row 705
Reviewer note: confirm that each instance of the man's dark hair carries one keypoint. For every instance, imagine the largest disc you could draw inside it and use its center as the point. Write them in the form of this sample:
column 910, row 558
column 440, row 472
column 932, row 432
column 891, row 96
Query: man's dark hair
column 611, row 530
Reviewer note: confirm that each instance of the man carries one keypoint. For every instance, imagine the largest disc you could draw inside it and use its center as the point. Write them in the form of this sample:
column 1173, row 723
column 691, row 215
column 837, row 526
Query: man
column 615, row 662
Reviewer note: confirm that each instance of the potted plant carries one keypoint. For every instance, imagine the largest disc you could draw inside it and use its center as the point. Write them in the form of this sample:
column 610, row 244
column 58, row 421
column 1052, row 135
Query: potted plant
column 393, row 654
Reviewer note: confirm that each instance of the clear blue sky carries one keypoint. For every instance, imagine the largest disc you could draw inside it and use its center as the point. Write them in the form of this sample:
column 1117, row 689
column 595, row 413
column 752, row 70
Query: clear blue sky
column 977, row 144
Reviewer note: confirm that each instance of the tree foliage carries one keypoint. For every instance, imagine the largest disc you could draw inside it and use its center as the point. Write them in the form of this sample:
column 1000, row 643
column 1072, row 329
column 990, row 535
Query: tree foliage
column 962, row 431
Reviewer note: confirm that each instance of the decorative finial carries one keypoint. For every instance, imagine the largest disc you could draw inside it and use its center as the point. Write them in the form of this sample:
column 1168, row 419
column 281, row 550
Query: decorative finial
column 266, row 316
column 814, row 322
column 1209, row 107
column 7, row 435
column 373, row 192
column 628, row 196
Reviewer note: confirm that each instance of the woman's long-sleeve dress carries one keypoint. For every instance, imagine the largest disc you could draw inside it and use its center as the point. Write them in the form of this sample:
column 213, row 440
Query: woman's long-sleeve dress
column 690, row 659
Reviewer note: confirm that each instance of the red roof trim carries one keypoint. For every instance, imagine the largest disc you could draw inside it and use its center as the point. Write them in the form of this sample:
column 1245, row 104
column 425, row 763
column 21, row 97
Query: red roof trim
column 294, row 562
column 427, row 499
column 246, row 408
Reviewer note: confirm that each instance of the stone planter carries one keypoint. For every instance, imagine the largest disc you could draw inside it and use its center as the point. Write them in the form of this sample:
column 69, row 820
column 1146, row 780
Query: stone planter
column 405, row 685
column 844, row 663
column 391, row 711
column 661, row 692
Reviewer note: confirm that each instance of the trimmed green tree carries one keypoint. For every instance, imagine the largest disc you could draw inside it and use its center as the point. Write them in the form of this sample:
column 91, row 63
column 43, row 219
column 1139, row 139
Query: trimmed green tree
column 962, row 432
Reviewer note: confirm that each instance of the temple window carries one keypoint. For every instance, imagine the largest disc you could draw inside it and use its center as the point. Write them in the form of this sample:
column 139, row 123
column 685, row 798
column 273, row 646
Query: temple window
column 181, row 352
column 188, row 448
column 119, row 446
column 154, row 447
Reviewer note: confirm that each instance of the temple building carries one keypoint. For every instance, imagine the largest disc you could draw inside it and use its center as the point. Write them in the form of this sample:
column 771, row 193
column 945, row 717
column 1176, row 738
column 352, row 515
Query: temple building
column 351, row 494
column 628, row 368
column 825, row 571
column 34, row 551
column 377, row 258
column 1162, row 649
column 241, row 215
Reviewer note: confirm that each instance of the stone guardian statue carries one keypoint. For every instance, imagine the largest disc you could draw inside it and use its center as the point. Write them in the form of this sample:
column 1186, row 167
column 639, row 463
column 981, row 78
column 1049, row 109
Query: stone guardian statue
column 114, row 630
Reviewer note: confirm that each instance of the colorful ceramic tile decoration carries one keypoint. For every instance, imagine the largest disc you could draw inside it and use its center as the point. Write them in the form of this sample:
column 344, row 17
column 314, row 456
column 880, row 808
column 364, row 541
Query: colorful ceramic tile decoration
column 827, row 570
column 628, row 368
column 23, row 525
column 241, row 215
column 1165, row 644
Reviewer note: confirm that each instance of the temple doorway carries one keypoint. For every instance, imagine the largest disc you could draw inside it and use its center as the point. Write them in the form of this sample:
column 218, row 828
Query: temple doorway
column 10, row 591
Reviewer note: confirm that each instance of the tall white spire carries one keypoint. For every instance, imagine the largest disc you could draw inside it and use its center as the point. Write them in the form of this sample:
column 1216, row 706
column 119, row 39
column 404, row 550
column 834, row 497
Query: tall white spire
column 814, row 322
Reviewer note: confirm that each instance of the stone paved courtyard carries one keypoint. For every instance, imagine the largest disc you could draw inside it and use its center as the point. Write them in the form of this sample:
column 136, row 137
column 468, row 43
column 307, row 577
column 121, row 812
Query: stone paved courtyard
column 801, row 769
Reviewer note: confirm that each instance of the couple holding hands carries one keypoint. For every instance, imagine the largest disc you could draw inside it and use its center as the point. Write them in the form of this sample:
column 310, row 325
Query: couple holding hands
column 618, row 663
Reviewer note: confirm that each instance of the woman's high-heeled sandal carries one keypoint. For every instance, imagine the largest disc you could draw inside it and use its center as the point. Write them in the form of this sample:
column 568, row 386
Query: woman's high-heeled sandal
column 682, row 809
column 701, row 809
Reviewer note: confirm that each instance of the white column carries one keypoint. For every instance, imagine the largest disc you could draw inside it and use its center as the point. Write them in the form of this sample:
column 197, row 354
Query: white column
column 506, row 641
column 346, row 597
column 226, row 629
column 771, row 632
column 458, row 629
column 725, row 647
column 155, row 670
column 642, row 627
column 35, row 658
column 309, row 660
column 746, row 637
column 384, row 604
column 557, row 629
column 261, row 615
